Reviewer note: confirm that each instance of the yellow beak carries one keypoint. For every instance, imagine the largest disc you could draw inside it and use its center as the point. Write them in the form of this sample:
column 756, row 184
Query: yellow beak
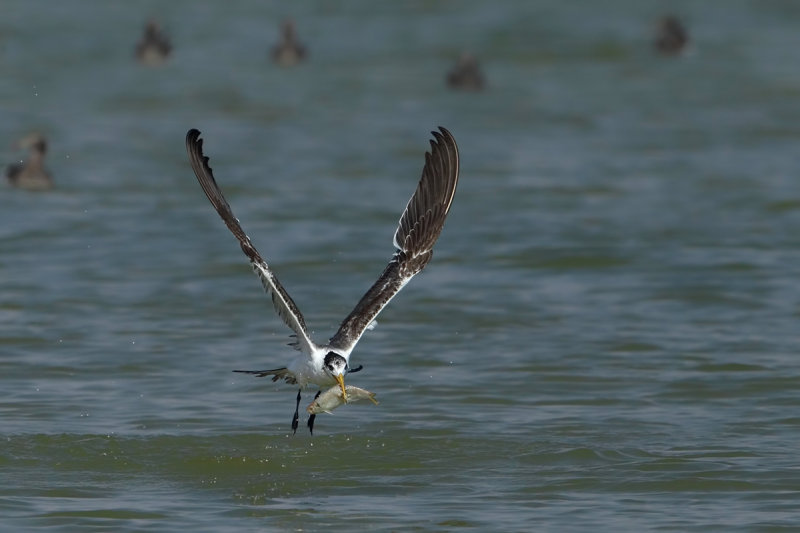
column 340, row 379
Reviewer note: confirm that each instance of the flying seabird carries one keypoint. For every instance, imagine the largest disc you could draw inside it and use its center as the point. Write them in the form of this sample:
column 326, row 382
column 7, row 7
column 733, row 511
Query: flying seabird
column 32, row 174
column 325, row 365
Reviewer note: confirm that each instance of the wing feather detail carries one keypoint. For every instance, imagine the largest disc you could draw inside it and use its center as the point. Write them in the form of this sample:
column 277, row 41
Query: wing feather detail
column 283, row 303
column 420, row 226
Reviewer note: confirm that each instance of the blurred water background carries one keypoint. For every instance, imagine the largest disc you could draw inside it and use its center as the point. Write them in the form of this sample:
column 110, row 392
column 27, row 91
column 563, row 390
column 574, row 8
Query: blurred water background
column 605, row 340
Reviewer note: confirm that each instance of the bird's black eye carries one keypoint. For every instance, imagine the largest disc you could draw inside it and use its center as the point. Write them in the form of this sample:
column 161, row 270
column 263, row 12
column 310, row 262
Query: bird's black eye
column 333, row 361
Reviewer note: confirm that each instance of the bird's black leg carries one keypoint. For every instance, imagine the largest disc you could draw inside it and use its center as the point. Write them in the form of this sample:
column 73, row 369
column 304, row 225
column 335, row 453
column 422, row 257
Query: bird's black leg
column 313, row 417
column 296, row 417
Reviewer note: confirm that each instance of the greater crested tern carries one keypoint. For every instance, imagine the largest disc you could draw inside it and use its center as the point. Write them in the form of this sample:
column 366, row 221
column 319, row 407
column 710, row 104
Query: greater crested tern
column 325, row 365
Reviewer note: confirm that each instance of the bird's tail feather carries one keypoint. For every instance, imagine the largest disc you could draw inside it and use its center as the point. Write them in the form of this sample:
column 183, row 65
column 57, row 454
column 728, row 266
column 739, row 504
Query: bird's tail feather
column 276, row 373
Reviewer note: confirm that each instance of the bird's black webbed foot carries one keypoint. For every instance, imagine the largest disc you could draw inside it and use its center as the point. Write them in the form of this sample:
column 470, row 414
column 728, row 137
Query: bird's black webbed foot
column 296, row 417
column 313, row 417
column 359, row 368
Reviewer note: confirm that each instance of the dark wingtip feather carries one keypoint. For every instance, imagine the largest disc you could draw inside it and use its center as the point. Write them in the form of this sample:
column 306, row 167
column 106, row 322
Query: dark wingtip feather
column 194, row 145
column 444, row 136
column 436, row 187
column 205, row 176
column 418, row 229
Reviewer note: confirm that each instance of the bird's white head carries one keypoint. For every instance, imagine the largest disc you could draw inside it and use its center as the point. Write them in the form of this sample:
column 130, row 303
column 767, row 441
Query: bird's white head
column 336, row 366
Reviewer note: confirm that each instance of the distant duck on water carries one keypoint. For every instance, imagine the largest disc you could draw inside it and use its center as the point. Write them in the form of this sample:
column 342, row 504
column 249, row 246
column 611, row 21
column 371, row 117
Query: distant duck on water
column 671, row 36
column 466, row 75
column 31, row 174
column 289, row 51
column 154, row 48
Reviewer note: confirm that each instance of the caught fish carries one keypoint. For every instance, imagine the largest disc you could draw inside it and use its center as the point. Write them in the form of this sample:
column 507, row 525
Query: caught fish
column 332, row 398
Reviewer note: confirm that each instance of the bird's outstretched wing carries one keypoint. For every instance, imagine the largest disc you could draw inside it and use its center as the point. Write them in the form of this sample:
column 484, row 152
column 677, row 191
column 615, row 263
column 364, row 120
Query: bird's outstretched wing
column 284, row 305
column 420, row 226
